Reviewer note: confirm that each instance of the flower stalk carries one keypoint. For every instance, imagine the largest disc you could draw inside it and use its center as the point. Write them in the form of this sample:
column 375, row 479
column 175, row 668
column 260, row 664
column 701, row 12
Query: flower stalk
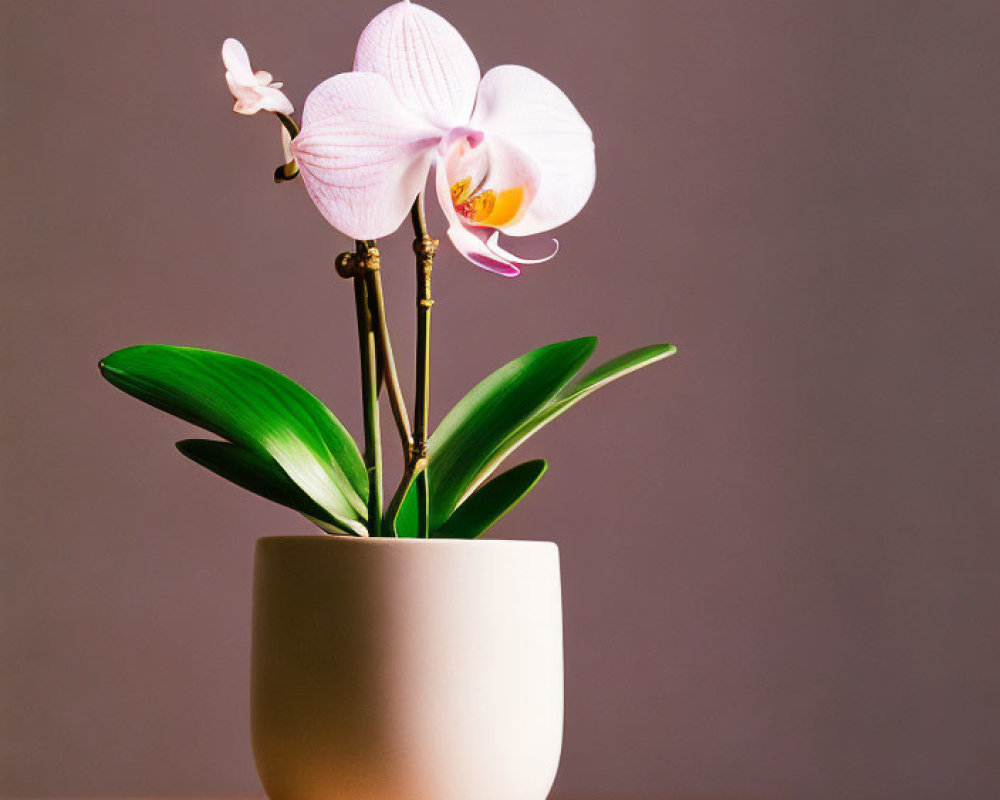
column 369, row 383
column 288, row 123
column 424, row 247
column 377, row 360
column 387, row 361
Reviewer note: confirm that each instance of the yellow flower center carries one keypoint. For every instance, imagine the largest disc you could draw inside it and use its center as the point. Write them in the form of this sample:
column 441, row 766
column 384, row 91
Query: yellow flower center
column 487, row 207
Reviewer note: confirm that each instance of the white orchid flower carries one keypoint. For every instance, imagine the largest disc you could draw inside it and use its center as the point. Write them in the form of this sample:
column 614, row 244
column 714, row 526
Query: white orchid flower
column 510, row 151
column 254, row 91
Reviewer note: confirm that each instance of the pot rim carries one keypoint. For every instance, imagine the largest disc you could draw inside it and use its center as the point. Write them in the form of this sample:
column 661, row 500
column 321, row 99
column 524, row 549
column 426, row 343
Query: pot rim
column 390, row 541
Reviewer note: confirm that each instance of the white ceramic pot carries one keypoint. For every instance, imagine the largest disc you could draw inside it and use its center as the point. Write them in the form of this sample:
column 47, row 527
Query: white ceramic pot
column 400, row 669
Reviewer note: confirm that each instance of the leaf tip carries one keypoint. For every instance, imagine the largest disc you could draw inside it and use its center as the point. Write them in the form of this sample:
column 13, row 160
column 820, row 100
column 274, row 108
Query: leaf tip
column 187, row 447
column 106, row 367
column 583, row 345
column 538, row 464
column 109, row 365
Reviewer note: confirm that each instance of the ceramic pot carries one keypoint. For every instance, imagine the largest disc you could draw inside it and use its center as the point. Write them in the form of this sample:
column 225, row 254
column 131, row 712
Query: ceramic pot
column 401, row 669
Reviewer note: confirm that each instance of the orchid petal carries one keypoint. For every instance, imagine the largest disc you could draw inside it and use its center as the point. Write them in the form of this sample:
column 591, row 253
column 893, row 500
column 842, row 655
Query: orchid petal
column 253, row 91
column 426, row 61
column 532, row 113
column 479, row 245
column 236, row 60
column 265, row 98
column 363, row 156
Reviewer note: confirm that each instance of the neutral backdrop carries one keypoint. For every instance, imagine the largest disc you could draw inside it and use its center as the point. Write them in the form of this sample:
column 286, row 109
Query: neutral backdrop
column 780, row 548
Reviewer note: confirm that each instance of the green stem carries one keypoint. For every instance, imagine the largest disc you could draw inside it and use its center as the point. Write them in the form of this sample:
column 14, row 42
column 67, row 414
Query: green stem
column 369, row 400
column 423, row 247
column 388, row 362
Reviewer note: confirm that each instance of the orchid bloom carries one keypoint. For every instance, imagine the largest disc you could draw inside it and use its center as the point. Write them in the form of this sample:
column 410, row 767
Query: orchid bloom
column 254, row 91
column 510, row 151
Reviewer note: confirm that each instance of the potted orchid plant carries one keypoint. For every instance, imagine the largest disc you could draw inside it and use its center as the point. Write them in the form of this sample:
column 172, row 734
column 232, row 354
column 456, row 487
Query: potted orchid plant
column 396, row 636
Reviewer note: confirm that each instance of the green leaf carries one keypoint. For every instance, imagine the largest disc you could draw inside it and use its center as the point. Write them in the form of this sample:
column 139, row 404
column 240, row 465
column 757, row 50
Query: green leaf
column 470, row 468
column 617, row 368
column 407, row 522
column 466, row 439
column 491, row 501
column 258, row 474
column 569, row 396
column 256, row 407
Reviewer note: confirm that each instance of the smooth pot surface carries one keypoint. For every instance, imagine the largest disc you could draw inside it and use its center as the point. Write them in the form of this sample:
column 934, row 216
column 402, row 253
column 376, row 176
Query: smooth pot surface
column 388, row 669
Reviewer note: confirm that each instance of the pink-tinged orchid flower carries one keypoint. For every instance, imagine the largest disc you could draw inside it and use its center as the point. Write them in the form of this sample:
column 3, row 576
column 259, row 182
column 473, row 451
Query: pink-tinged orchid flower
column 254, row 91
column 510, row 151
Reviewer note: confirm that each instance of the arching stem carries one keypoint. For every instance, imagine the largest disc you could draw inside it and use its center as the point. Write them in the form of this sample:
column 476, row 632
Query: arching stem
column 388, row 362
column 290, row 125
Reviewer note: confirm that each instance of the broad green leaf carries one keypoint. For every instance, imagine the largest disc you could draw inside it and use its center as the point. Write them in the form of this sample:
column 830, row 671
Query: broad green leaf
column 572, row 394
column 256, row 407
column 491, row 501
column 489, row 414
column 258, row 474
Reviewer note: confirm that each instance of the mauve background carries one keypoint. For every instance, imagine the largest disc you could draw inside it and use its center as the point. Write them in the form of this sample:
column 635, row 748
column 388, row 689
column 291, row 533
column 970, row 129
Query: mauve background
column 780, row 548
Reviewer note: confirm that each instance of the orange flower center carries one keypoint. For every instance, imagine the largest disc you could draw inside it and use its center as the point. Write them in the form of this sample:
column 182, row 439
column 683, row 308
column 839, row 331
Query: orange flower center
column 487, row 207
